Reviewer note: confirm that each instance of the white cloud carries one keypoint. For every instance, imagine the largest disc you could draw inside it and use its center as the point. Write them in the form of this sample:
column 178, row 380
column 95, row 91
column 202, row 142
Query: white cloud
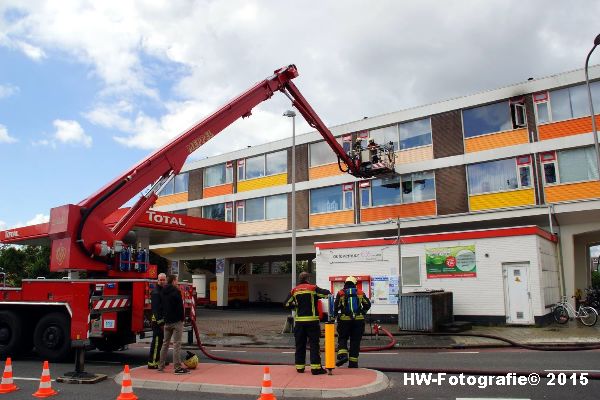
column 4, row 136
column 38, row 219
column 69, row 131
column 112, row 115
column 8, row 90
column 33, row 52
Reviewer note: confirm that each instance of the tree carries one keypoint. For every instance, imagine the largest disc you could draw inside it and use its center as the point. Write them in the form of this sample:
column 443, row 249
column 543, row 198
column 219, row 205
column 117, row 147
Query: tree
column 25, row 262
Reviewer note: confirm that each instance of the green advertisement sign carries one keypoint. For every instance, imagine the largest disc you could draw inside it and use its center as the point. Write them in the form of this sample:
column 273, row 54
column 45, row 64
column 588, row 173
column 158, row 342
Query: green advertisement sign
column 451, row 262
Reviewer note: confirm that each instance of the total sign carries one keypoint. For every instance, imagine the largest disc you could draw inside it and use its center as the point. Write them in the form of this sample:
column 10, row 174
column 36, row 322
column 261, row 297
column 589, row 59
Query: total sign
column 153, row 216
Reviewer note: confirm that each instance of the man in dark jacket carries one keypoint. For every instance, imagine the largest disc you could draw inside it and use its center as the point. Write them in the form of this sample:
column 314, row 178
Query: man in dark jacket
column 158, row 322
column 304, row 298
column 351, row 304
column 172, row 303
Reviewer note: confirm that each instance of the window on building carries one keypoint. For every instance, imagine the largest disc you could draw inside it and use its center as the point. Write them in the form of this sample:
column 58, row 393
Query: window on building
column 415, row 133
column 255, row 209
column 218, row 174
column 240, row 214
column 262, row 208
column 321, row 153
column 179, row 184
column 263, row 165
column 490, row 118
column 347, row 143
column 276, row 206
column 214, row 211
column 386, row 135
column 255, row 167
column 348, row 190
column 548, row 160
column 566, row 103
column 411, row 271
column 524, row 166
column 577, row 165
column 229, row 212
column 328, row 199
column 408, row 188
column 492, row 176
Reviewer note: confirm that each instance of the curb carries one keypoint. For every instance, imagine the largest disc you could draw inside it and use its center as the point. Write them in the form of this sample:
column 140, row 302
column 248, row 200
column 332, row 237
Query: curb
column 381, row 382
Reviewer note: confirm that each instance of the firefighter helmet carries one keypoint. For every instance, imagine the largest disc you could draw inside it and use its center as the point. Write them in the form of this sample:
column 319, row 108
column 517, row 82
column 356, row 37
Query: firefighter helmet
column 351, row 279
column 191, row 360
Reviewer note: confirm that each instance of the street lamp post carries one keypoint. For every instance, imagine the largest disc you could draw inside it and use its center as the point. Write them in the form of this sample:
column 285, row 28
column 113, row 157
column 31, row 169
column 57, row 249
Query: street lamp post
column 292, row 114
column 591, row 102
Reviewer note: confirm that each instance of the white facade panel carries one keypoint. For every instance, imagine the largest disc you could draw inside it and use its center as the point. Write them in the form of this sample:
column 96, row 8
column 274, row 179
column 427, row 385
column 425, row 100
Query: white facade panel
column 482, row 295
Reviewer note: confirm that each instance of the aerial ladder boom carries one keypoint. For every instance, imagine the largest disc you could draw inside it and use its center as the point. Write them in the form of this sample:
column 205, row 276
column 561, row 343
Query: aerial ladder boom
column 80, row 238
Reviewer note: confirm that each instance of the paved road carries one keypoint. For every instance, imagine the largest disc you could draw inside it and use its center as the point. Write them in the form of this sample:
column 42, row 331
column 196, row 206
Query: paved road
column 27, row 372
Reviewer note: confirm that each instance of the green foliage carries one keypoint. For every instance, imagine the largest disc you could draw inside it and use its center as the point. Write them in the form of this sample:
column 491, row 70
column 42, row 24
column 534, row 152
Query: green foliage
column 25, row 262
column 596, row 279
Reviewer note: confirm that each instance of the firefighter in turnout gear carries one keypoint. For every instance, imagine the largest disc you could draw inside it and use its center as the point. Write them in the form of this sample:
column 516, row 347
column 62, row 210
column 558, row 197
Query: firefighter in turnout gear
column 350, row 307
column 158, row 322
column 303, row 299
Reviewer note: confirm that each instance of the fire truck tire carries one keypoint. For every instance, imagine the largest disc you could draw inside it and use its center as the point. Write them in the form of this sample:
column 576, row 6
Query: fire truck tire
column 11, row 332
column 51, row 337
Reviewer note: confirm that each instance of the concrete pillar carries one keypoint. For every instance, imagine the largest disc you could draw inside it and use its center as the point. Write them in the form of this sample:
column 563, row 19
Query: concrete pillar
column 222, row 272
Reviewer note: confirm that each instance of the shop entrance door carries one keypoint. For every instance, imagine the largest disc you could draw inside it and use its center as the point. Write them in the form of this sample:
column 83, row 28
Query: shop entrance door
column 516, row 293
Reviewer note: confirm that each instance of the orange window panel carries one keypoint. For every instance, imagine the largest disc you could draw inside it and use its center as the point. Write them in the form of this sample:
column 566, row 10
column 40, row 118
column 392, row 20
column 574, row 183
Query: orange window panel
column 414, row 155
column 398, row 211
column 572, row 191
column 217, row 190
column 249, row 228
column 334, row 218
column 566, row 128
column 496, row 140
column 171, row 199
column 323, row 171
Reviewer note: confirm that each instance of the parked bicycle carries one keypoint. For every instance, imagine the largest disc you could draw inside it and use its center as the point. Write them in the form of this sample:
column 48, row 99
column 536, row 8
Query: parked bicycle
column 564, row 311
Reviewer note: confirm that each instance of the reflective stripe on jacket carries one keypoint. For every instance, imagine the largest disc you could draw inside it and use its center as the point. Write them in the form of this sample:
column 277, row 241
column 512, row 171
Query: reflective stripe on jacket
column 303, row 298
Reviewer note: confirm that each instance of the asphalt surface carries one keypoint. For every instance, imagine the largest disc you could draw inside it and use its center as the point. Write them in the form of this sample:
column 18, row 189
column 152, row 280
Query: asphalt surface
column 27, row 371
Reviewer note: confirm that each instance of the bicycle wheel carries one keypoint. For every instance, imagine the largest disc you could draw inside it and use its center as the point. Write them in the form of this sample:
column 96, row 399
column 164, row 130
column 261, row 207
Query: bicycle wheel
column 588, row 316
column 561, row 315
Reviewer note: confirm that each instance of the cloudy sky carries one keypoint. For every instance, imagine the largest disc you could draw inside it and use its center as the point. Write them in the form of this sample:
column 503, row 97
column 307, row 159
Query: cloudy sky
column 92, row 87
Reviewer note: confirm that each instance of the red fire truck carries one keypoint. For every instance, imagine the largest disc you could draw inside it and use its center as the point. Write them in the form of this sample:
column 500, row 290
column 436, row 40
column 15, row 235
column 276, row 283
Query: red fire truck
column 110, row 307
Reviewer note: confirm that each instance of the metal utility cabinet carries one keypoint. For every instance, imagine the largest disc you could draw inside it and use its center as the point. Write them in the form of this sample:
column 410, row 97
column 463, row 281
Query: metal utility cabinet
column 424, row 311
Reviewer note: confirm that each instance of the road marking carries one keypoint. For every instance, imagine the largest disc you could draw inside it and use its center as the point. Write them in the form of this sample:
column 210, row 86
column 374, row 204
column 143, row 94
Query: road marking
column 288, row 352
column 571, row 370
column 379, row 354
column 458, row 352
column 28, row 379
column 229, row 351
column 103, row 362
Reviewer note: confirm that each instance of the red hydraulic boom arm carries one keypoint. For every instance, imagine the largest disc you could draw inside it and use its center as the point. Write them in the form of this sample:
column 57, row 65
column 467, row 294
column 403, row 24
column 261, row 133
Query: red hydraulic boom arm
column 80, row 238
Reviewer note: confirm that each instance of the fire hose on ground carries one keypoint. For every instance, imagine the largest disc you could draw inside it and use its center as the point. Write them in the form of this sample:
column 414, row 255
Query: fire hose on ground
column 449, row 371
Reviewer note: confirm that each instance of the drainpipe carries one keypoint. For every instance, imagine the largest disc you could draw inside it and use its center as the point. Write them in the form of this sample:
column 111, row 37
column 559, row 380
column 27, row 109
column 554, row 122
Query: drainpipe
column 551, row 216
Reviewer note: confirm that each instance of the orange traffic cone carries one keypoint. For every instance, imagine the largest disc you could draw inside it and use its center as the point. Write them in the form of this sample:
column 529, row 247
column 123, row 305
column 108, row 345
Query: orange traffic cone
column 126, row 388
column 45, row 389
column 7, row 384
column 266, row 392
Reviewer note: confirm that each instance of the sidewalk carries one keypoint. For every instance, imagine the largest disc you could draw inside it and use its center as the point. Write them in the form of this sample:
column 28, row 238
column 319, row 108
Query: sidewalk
column 247, row 379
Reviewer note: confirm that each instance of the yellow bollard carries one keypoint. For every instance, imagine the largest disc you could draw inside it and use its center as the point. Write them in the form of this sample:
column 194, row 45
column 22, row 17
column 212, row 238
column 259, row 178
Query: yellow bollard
column 330, row 346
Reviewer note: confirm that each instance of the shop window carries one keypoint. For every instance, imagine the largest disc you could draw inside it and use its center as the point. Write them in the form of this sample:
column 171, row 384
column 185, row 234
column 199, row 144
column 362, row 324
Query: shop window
column 415, row 134
column 328, row 199
column 320, row 153
column 215, row 211
column 493, row 176
column 218, row 174
column 411, row 271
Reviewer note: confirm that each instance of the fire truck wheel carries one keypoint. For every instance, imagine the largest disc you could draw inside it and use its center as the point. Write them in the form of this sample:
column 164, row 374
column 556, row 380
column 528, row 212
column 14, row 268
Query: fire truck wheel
column 52, row 337
column 11, row 331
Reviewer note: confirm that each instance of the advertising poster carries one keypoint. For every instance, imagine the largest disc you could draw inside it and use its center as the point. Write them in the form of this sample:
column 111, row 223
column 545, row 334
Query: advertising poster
column 384, row 289
column 451, row 262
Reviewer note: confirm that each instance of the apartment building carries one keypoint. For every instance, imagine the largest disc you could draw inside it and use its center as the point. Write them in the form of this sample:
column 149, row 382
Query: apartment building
column 514, row 156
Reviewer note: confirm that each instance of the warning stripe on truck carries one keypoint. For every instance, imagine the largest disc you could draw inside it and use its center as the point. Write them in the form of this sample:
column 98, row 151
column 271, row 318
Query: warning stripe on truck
column 103, row 304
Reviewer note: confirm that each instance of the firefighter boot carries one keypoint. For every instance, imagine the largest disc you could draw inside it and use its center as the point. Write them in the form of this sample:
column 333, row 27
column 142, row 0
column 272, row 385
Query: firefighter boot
column 319, row 371
column 341, row 360
column 353, row 362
